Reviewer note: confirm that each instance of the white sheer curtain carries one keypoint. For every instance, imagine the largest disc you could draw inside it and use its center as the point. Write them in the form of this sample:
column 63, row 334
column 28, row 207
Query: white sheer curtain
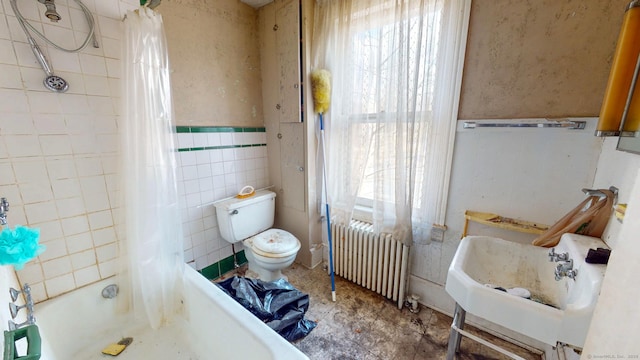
column 151, row 251
column 396, row 68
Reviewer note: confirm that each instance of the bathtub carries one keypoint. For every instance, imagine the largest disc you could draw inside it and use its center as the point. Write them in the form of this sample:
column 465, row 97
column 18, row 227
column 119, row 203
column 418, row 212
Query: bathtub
column 78, row 325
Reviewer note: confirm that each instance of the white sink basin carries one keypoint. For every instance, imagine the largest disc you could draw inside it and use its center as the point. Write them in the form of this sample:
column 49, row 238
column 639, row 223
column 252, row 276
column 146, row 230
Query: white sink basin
column 559, row 311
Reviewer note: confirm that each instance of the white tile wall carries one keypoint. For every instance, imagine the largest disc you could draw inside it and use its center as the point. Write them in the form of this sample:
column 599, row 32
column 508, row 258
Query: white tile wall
column 533, row 174
column 209, row 175
column 58, row 151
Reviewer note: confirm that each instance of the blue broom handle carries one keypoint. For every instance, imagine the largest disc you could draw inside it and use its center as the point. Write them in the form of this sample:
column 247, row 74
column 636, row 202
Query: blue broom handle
column 330, row 239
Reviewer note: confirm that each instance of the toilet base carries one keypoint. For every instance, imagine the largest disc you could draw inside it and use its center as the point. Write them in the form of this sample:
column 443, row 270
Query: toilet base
column 251, row 274
column 264, row 275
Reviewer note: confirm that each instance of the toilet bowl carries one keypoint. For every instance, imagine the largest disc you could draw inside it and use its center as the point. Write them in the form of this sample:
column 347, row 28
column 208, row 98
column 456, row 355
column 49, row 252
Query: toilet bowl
column 248, row 219
column 271, row 251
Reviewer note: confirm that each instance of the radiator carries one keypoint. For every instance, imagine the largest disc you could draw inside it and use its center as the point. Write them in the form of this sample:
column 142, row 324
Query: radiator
column 375, row 261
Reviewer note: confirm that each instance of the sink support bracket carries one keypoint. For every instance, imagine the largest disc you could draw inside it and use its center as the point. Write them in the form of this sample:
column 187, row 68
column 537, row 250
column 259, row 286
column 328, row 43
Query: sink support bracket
column 457, row 332
column 455, row 336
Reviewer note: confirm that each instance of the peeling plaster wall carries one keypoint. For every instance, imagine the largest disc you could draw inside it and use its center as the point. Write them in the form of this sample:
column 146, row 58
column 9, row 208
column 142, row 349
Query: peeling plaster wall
column 537, row 59
column 215, row 61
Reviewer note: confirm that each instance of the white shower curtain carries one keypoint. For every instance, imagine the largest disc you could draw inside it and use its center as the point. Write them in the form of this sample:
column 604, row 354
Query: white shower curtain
column 151, row 251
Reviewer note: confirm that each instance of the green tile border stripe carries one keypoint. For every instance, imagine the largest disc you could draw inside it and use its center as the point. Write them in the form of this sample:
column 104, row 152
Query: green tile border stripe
column 223, row 266
column 217, row 129
column 219, row 147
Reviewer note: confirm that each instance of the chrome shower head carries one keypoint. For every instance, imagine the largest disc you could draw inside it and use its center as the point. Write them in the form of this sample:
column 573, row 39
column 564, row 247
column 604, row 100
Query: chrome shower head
column 56, row 83
column 51, row 12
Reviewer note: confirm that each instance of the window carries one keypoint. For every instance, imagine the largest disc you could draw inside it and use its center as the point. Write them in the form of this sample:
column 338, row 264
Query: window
column 396, row 67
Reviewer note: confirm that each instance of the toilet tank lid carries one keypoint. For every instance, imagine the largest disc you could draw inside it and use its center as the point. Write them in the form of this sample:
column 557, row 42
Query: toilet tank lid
column 233, row 203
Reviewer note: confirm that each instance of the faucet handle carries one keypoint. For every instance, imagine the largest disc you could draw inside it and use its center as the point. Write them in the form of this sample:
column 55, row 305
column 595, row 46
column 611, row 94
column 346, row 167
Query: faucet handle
column 558, row 273
column 26, row 289
column 4, row 207
column 565, row 269
column 553, row 256
column 14, row 326
column 568, row 263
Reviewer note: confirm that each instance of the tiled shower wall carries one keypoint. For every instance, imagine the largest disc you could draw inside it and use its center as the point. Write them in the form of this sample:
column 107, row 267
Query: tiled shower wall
column 58, row 152
column 215, row 163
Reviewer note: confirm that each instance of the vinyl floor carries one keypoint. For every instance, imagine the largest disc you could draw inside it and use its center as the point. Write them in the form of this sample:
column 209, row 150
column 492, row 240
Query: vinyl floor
column 363, row 325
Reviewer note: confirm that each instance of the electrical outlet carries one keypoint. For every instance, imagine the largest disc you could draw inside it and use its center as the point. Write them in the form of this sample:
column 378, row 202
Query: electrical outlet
column 437, row 233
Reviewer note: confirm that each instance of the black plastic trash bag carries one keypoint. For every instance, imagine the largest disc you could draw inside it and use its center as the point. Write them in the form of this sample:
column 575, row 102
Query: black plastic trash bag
column 277, row 303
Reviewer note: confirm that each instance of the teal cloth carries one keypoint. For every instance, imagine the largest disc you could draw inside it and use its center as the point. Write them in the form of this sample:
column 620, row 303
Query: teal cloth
column 19, row 245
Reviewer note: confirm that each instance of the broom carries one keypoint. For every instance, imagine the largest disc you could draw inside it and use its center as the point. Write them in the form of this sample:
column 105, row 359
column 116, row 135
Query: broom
column 321, row 91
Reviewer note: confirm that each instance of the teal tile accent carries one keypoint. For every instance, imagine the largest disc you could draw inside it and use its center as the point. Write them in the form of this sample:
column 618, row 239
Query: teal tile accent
column 217, row 129
column 205, row 129
column 226, row 265
column 219, row 147
column 223, row 266
column 242, row 259
column 211, row 272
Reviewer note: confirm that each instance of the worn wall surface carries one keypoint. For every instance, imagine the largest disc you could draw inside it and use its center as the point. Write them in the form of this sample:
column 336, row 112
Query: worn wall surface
column 215, row 61
column 528, row 59
column 542, row 58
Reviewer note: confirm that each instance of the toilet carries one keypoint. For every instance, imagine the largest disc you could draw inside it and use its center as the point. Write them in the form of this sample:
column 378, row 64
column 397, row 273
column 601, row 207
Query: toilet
column 248, row 219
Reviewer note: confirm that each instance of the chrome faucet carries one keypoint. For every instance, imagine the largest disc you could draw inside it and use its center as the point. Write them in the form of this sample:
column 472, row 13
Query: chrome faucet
column 4, row 207
column 14, row 309
column 566, row 269
column 14, row 326
column 553, row 256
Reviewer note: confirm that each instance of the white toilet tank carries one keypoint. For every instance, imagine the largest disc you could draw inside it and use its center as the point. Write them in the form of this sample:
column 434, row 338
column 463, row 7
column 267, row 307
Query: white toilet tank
column 239, row 219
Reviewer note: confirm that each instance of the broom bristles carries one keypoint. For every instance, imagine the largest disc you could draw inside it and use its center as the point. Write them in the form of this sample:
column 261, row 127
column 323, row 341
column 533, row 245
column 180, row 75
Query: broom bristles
column 321, row 90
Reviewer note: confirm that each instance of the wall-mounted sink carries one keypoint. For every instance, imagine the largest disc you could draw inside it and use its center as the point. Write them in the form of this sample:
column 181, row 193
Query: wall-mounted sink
column 558, row 311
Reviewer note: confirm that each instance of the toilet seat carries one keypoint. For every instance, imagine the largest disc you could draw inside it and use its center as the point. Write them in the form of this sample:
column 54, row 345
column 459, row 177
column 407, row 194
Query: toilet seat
column 273, row 243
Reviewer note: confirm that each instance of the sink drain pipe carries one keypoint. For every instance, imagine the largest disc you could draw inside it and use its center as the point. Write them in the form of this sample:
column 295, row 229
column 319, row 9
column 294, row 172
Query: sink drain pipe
column 457, row 333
